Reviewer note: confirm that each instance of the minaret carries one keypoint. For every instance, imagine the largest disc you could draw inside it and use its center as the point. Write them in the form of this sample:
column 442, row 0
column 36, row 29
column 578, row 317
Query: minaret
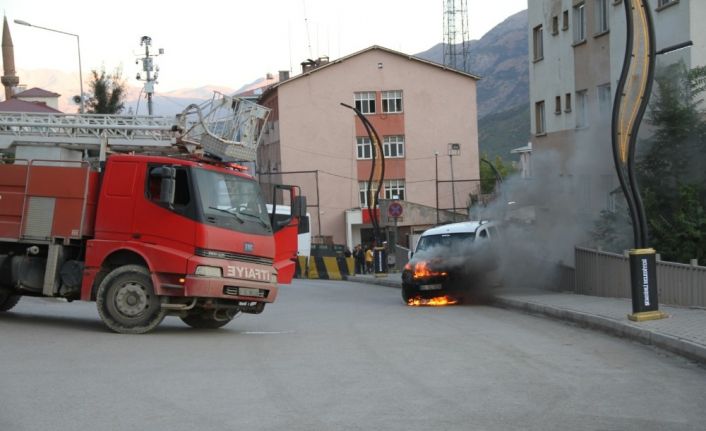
column 9, row 79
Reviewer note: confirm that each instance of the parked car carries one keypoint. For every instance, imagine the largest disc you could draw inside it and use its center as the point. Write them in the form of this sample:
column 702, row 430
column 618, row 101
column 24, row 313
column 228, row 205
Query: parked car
column 451, row 260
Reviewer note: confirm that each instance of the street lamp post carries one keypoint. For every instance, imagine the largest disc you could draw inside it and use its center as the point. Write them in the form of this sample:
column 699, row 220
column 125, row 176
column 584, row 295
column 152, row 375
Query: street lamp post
column 436, row 182
column 78, row 44
column 454, row 150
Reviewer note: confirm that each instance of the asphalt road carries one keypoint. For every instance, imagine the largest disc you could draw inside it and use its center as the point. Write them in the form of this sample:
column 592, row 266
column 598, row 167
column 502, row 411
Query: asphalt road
column 335, row 356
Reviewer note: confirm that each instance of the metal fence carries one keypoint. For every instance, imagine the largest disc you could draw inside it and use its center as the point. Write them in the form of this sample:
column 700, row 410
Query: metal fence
column 601, row 273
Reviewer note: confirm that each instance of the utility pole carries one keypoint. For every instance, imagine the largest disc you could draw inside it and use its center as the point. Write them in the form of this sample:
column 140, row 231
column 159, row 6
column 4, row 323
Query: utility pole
column 148, row 67
column 454, row 150
column 436, row 182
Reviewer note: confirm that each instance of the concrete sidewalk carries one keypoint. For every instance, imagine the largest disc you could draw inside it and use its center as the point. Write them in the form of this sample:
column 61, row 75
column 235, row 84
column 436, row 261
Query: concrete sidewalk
column 683, row 332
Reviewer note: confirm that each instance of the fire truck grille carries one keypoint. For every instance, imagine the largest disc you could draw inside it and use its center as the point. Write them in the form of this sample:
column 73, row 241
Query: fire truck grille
column 241, row 257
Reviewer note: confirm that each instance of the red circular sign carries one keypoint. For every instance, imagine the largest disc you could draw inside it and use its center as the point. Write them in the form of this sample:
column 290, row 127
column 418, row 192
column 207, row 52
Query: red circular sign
column 394, row 210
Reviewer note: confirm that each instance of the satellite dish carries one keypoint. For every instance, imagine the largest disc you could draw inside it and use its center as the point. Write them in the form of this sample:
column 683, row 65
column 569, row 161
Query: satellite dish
column 76, row 99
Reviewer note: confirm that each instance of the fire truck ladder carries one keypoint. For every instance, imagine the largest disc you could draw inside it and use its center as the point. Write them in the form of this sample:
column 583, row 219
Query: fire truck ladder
column 227, row 127
column 86, row 131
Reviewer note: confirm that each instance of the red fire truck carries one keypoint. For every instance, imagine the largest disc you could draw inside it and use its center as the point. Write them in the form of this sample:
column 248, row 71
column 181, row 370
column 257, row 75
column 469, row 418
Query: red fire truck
column 146, row 216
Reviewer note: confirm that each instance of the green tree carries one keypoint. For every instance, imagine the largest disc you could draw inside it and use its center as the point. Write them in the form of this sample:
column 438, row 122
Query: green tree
column 670, row 169
column 488, row 176
column 107, row 93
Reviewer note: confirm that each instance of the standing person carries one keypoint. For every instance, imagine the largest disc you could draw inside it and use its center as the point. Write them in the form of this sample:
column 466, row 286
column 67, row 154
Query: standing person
column 369, row 260
column 359, row 257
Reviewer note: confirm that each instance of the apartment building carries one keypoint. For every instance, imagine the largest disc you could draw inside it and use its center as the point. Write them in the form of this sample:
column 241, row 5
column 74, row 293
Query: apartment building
column 576, row 53
column 420, row 109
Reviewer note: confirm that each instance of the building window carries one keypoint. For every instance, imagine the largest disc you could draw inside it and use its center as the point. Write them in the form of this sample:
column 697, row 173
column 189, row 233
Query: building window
column 604, row 99
column 557, row 105
column 665, row 3
column 394, row 189
column 579, row 23
column 604, row 95
column 540, row 124
column 392, row 101
column 364, row 148
column 393, row 146
column 601, row 16
column 567, row 103
column 555, row 25
column 538, row 43
column 565, row 20
column 581, row 109
column 363, row 193
column 365, row 102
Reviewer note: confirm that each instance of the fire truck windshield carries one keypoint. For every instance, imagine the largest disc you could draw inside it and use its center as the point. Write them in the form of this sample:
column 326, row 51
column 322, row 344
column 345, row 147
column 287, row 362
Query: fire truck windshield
column 232, row 202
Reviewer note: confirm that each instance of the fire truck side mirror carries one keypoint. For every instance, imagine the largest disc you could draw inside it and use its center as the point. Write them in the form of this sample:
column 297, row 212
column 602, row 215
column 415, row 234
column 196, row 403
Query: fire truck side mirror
column 299, row 206
column 168, row 184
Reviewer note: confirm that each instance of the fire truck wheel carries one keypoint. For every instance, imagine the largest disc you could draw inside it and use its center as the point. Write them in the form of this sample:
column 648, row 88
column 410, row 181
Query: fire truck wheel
column 8, row 300
column 205, row 321
column 126, row 301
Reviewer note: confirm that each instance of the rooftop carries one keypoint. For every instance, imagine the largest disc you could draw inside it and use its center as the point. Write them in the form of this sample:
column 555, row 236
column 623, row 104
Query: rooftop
column 36, row 92
column 15, row 105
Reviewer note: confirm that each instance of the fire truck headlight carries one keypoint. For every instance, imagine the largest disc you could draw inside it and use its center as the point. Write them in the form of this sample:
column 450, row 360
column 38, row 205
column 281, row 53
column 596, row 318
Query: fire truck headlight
column 208, row 271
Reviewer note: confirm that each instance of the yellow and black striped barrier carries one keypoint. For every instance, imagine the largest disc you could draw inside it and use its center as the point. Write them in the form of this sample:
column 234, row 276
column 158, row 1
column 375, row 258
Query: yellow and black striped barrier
column 324, row 267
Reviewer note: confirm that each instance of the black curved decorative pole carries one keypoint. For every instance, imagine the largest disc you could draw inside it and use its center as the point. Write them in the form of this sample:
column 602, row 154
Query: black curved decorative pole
column 377, row 172
column 629, row 105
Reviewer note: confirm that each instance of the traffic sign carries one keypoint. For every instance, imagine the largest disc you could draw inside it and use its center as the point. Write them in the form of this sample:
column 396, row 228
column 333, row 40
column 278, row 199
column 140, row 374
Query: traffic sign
column 394, row 210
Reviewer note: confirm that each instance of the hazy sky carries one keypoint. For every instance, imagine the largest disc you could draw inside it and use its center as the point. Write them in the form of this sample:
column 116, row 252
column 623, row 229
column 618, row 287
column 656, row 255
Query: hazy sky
column 229, row 42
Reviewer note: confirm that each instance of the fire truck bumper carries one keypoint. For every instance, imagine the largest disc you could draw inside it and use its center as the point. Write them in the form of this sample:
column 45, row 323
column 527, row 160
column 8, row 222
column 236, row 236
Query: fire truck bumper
column 229, row 288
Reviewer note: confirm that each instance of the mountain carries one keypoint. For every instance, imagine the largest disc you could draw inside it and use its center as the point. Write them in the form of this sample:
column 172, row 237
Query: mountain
column 500, row 58
column 164, row 103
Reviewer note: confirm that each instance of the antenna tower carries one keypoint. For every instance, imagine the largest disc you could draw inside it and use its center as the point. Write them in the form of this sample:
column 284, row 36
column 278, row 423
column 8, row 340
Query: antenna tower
column 456, row 43
column 148, row 67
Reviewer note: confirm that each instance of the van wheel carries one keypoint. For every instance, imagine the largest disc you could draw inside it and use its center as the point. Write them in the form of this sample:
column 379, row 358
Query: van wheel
column 406, row 293
column 126, row 301
column 8, row 300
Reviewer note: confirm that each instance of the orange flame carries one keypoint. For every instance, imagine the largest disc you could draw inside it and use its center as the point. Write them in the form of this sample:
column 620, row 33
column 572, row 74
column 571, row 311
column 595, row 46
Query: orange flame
column 439, row 301
column 421, row 270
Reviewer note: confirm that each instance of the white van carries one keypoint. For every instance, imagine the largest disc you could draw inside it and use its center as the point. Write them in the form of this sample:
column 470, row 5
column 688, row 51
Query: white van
column 450, row 259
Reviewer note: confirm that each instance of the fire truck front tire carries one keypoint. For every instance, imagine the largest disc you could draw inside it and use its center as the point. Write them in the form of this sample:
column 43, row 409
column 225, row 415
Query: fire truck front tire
column 126, row 301
column 206, row 321
column 8, row 300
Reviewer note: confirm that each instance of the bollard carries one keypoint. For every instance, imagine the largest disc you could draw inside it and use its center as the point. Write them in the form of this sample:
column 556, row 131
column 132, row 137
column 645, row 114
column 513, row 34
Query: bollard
column 380, row 261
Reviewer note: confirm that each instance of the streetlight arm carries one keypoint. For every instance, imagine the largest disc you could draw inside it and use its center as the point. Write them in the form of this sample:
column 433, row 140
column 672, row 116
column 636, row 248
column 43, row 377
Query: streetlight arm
column 78, row 44
column 21, row 22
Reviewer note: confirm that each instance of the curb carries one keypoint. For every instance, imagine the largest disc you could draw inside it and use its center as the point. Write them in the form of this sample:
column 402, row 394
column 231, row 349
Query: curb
column 670, row 343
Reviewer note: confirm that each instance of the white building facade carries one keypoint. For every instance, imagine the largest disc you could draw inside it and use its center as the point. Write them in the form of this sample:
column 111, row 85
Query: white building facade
column 576, row 52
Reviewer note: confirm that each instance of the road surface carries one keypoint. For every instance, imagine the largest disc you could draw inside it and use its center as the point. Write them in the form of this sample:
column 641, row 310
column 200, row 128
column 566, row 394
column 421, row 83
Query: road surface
column 337, row 356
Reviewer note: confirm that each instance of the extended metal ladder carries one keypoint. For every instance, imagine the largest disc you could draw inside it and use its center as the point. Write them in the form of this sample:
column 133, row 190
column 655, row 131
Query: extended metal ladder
column 85, row 130
column 225, row 126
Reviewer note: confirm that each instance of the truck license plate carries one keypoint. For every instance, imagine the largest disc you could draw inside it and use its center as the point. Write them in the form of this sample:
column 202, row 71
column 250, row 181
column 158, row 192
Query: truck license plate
column 430, row 287
column 246, row 291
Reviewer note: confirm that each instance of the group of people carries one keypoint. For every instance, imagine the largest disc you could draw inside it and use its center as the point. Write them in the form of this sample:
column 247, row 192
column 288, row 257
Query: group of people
column 363, row 259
